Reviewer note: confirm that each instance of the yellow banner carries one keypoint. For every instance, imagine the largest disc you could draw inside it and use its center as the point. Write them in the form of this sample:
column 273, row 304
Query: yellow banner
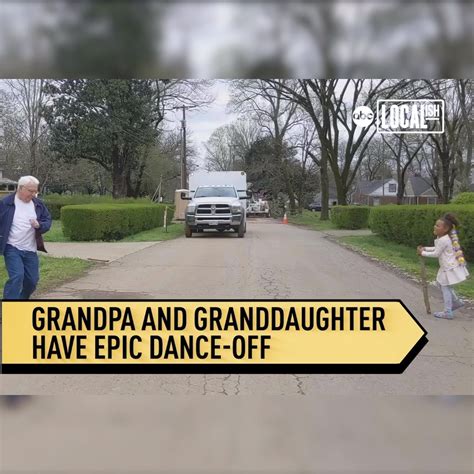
column 208, row 332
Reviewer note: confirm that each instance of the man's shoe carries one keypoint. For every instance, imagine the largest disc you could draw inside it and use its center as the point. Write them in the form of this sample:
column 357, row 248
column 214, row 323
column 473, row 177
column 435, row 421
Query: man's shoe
column 443, row 315
column 458, row 304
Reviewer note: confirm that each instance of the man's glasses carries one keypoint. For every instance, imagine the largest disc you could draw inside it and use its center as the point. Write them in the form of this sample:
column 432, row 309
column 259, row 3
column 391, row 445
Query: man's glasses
column 32, row 191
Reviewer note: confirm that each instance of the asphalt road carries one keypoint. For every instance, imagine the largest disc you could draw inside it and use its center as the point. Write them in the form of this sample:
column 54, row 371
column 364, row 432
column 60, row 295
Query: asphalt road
column 238, row 435
column 272, row 261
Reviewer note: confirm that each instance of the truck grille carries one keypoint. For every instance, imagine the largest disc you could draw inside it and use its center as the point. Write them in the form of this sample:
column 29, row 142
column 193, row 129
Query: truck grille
column 213, row 209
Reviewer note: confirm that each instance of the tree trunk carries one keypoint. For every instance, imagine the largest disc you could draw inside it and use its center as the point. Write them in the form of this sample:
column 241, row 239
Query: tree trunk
column 341, row 191
column 401, row 184
column 286, row 175
column 446, row 178
column 119, row 178
column 464, row 90
column 119, row 185
column 324, row 185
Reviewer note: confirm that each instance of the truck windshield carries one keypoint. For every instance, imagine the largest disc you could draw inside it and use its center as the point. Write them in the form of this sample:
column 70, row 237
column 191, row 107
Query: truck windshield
column 215, row 191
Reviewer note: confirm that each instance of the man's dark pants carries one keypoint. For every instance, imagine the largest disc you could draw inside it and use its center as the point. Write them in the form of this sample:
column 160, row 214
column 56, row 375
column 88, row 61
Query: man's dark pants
column 23, row 271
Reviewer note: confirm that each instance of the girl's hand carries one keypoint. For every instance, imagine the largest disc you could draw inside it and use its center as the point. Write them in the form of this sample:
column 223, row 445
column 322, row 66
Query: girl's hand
column 419, row 249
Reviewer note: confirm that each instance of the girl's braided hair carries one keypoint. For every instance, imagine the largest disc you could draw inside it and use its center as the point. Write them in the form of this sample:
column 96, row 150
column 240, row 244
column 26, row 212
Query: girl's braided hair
column 452, row 223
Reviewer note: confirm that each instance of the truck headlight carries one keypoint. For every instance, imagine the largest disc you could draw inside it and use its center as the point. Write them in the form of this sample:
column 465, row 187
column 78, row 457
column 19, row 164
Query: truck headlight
column 191, row 209
column 236, row 208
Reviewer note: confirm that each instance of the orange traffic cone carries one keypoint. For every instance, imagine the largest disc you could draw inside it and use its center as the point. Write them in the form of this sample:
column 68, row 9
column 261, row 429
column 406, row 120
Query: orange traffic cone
column 285, row 219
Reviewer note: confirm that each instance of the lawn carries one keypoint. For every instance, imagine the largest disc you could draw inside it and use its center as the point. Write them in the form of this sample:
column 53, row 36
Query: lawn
column 159, row 233
column 55, row 234
column 403, row 257
column 53, row 271
column 311, row 220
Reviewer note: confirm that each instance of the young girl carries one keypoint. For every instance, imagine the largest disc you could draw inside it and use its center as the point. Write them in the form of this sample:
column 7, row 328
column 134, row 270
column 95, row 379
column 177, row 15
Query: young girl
column 452, row 266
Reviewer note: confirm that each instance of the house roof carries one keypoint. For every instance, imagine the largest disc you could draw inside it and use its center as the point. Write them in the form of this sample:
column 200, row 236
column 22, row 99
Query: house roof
column 7, row 181
column 420, row 185
column 368, row 187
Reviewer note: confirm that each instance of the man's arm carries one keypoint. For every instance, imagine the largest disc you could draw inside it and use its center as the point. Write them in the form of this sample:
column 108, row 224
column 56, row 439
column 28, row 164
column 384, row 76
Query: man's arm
column 44, row 219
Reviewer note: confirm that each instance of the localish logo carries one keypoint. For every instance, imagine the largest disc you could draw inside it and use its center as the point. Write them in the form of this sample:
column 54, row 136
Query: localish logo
column 410, row 116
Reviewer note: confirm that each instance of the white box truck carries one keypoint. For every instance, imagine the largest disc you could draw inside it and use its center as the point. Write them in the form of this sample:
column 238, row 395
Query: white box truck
column 217, row 201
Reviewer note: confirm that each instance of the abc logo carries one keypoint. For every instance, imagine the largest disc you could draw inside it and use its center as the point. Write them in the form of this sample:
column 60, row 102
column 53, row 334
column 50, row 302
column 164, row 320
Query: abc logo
column 362, row 116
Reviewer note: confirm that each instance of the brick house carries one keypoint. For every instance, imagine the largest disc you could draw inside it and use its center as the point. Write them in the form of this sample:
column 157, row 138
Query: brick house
column 375, row 193
column 418, row 190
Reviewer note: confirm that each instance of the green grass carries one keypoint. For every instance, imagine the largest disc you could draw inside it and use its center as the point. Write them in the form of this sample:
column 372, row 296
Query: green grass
column 53, row 271
column 157, row 234
column 55, row 234
column 402, row 257
column 311, row 220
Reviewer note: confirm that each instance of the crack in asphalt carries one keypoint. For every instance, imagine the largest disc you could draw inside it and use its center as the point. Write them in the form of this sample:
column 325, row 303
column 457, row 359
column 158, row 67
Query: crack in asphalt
column 207, row 391
column 299, row 384
column 276, row 289
column 237, row 386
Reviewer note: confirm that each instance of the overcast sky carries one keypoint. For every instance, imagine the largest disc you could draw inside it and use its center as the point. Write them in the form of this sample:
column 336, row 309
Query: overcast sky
column 201, row 123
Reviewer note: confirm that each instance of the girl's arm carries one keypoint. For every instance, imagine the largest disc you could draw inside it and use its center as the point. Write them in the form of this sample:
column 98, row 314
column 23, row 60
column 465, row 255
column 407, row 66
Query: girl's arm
column 429, row 249
column 437, row 250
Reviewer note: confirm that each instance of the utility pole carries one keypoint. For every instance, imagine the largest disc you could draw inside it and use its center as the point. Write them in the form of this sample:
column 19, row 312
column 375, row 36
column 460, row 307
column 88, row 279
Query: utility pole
column 184, row 168
column 231, row 156
column 232, row 147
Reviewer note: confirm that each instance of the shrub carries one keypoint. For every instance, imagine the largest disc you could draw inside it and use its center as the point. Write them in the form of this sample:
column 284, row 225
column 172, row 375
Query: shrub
column 111, row 221
column 413, row 225
column 350, row 217
column 464, row 198
column 54, row 202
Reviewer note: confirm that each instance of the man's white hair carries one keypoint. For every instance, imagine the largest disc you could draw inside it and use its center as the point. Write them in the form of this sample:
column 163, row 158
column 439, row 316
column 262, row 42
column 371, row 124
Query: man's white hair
column 25, row 180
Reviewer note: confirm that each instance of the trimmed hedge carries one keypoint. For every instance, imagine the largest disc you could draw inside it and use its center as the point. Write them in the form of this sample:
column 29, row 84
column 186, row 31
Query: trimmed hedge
column 54, row 202
column 413, row 225
column 111, row 221
column 464, row 198
column 350, row 217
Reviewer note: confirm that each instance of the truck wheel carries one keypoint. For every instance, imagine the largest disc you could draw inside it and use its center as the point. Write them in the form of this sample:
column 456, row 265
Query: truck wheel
column 241, row 230
column 188, row 231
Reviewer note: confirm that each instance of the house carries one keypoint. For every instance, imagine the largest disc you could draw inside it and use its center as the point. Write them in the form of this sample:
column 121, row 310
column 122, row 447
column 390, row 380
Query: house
column 418, row 190
column 374, row 193
column 332, row 198
column 7, row 186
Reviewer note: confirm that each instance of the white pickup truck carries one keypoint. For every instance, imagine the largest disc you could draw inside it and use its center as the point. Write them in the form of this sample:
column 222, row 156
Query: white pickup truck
column 217, row 201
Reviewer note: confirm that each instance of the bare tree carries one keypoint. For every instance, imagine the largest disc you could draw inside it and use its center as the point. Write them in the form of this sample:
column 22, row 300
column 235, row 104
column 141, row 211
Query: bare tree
column 464, row 94
column 404, row 150
column 330, row 103
column 449, row 145
column 306, row 143
column 274, row 114
column 376, row 164
column 30, row 99
column 219, row 150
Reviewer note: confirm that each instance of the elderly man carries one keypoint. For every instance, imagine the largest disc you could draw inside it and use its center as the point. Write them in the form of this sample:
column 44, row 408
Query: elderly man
column 23, row 220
